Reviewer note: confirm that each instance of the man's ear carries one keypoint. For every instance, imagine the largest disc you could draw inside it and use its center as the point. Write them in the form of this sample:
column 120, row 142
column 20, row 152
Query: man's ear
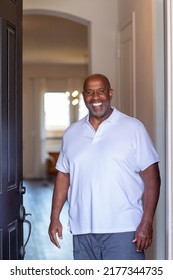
column 111, row 93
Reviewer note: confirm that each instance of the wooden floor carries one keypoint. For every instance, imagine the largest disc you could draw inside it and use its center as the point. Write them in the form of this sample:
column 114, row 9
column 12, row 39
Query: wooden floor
column 37, row 201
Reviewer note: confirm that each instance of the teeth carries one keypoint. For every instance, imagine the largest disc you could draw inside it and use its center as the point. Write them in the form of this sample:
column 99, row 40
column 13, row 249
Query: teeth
column 97, row 104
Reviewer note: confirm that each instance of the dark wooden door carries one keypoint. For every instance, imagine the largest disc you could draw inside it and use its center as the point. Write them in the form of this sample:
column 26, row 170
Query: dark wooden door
column 11, row 191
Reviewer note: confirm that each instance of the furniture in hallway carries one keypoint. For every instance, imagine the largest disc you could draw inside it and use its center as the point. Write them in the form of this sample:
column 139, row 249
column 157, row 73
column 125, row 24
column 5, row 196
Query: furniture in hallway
column 50, row 164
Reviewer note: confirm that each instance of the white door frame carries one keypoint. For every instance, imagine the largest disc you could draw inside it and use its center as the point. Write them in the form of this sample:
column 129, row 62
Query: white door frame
column 169, row 125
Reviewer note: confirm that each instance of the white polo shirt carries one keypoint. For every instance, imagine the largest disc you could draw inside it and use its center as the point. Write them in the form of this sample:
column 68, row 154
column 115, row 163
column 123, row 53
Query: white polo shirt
column 105, row 186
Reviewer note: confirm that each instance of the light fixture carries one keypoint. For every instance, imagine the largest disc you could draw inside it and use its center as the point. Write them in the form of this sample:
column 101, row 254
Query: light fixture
column 73, row 97
column 75, row 93
column 75, row 101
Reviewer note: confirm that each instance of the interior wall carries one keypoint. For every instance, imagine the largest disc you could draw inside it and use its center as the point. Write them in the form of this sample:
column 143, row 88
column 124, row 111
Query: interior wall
column 101, row 15
column 144, row 61
column 149, row 83
column 160, row 121
column 169, row 125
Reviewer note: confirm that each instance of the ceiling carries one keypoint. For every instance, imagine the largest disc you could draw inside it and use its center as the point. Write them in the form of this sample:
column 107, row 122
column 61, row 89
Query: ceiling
column 50, row 39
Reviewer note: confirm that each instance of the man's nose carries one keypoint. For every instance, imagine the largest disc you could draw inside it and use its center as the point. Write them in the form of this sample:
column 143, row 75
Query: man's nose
column 95, row 94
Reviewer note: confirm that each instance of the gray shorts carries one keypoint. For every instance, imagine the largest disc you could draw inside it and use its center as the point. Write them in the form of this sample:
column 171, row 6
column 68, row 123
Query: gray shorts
column 113, row 246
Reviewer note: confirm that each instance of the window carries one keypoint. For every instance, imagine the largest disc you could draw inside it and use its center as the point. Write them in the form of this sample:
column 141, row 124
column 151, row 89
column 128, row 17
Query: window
column 57, row 111
column 58, row 107
column 83, row 111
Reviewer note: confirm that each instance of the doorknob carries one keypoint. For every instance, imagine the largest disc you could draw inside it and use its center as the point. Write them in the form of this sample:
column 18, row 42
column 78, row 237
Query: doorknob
column 22, row 218
column 22, row 248
column 22, row 189
column 22, row 213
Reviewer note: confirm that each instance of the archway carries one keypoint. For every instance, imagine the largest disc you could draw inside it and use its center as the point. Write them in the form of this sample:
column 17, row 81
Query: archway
column 55, row 57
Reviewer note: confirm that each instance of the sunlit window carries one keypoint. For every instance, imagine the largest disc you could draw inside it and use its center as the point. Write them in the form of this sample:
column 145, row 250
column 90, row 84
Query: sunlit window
column 57, row 111
column 83, row 111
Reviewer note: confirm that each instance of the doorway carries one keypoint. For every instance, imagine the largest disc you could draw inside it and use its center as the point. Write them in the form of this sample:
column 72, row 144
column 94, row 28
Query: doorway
column 55, row 59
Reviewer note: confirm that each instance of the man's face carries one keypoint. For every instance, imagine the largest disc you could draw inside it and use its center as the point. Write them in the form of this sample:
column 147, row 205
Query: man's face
column 97, row 97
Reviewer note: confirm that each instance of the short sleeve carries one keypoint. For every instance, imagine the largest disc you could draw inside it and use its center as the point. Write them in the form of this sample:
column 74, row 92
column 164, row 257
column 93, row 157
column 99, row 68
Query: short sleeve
column 145, row 150
column 62, row 163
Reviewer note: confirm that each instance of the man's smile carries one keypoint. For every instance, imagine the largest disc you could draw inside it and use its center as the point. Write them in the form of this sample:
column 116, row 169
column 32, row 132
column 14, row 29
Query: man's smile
column 96, row 104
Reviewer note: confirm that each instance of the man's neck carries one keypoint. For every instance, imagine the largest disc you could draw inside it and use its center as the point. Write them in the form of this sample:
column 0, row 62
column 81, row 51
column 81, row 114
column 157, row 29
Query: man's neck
column 95, row 122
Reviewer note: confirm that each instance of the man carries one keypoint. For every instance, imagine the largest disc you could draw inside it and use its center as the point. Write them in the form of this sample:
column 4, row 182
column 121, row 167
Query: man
column 106, row 165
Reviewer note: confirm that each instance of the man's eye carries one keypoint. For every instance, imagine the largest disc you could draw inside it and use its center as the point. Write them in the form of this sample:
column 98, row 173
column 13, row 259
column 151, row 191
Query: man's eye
column 88, row 92
column 101, row 90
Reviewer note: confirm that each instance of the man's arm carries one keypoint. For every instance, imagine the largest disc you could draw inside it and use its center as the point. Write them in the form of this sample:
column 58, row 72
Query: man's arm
column 58, row 200
column 144, row 232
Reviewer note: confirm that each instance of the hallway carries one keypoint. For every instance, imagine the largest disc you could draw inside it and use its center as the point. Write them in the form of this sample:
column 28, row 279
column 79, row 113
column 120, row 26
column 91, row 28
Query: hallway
column 37, row 201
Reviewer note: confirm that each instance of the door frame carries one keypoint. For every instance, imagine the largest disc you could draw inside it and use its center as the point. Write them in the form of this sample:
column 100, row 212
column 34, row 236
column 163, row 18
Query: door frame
column 169, row 125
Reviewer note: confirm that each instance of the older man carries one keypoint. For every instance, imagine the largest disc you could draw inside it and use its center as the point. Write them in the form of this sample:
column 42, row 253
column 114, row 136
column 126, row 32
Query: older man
column 106, row 165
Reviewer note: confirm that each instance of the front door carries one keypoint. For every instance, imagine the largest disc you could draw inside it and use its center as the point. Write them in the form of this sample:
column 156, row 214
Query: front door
column 11, row 190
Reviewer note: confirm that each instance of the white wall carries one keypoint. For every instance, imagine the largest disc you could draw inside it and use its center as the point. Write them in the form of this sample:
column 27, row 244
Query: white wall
column 101, row 15
column 144, row 59
column 169, row 125
column 149, row 87
column 160, row 122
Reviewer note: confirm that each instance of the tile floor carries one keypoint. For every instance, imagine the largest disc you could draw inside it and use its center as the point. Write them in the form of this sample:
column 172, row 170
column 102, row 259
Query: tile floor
column 37, row 201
